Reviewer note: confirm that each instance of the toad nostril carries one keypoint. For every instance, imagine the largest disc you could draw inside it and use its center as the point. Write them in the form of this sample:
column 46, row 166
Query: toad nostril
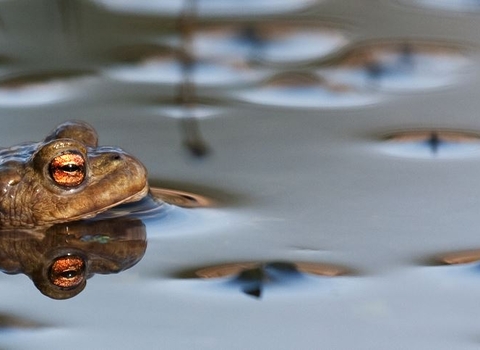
column 116, row 157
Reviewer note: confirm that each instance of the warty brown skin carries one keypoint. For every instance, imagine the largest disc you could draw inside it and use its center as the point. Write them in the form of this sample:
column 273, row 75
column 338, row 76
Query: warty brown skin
column 30, row 196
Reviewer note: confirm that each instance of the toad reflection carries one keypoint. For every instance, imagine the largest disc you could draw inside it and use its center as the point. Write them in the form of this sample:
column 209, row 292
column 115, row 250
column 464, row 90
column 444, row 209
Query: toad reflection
column 61, row 258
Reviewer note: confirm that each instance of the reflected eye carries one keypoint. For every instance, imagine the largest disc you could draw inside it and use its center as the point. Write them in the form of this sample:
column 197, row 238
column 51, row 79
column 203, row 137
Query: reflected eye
column 67, row 272
column 68, row 169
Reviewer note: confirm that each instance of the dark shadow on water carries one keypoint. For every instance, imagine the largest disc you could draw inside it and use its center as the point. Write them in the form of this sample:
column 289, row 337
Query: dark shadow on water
column 9, row 322
column 252, row 281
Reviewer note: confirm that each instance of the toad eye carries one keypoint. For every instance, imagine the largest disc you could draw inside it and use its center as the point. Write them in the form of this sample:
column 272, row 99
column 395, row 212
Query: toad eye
column 68, row 169
column 67, row 272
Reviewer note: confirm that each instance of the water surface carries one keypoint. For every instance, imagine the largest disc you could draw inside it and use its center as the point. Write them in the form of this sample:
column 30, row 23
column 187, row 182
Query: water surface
column 300, row 173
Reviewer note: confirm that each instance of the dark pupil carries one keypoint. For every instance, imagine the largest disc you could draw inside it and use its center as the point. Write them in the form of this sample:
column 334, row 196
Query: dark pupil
column 70, row 168
column 69, row 274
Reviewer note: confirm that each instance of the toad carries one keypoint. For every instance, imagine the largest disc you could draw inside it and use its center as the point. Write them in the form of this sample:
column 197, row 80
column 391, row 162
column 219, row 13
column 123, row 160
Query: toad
column 66, row 177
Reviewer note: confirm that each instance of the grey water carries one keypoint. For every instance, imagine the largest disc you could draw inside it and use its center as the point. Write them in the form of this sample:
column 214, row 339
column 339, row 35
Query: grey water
column 335, row 142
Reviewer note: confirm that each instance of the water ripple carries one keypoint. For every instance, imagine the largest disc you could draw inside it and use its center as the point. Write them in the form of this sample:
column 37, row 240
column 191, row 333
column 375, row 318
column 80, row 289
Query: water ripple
column 305, row 90
column 169, row 70
column 274, row 42
column 399, row 65
column 432, row 144
column 253, row 278
column 44, row 88
column 206, row 8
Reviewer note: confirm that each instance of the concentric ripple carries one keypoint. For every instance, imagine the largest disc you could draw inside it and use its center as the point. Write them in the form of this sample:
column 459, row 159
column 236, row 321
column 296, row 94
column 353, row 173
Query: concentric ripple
column 182, row 198
column 399, row 65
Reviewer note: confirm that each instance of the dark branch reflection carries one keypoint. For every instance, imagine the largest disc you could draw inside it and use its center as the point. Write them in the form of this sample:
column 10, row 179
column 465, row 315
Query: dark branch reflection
column 59, row 259
column 193, row 139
